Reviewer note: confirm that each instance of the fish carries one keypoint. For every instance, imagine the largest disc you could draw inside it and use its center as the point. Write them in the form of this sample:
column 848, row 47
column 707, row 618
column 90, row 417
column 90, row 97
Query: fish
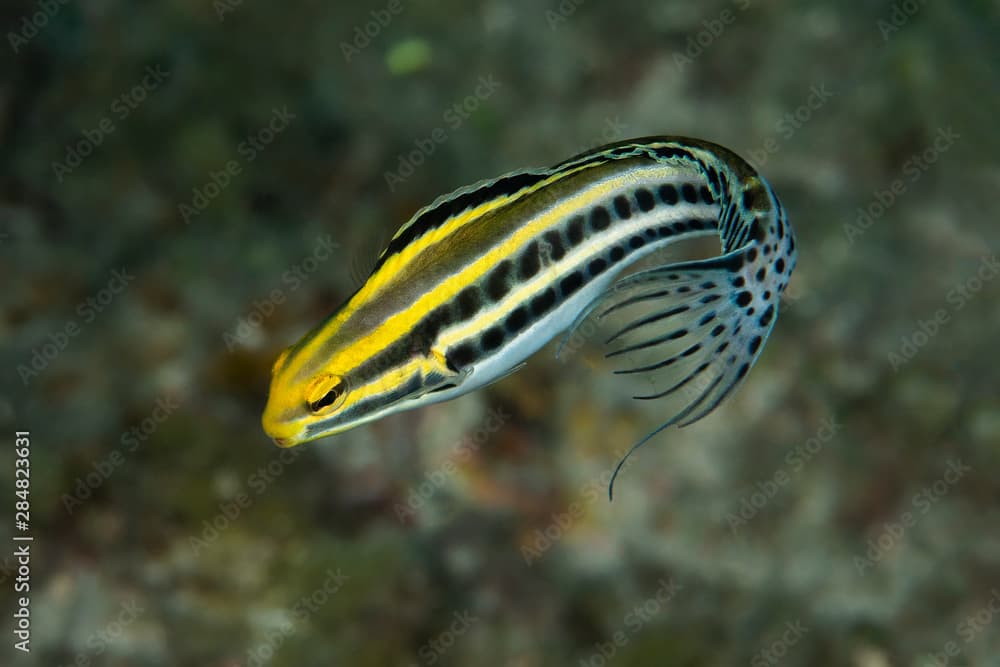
column 481, row 279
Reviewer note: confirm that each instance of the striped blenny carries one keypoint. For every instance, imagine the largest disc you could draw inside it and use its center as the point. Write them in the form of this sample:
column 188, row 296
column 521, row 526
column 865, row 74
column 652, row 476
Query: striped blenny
column 482, row 278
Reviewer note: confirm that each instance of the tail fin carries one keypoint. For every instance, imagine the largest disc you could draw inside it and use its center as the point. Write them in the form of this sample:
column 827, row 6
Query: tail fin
column 690, row 331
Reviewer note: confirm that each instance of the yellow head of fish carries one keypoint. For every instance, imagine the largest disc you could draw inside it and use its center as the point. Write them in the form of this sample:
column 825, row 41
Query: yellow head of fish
column 346, row 373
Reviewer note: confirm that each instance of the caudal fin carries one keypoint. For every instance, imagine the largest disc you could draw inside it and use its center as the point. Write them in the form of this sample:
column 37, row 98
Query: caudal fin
column 688, row 333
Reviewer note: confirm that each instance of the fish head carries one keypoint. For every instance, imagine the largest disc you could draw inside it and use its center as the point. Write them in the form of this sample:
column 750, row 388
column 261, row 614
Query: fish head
column 300, row 396
column 322, row 390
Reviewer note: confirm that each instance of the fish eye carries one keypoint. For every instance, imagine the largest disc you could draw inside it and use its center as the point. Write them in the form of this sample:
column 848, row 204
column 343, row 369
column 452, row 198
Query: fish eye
column 325, row 393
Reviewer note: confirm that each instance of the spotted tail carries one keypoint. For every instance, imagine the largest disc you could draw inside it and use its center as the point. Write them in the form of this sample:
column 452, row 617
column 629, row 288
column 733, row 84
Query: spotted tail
column 693, row 330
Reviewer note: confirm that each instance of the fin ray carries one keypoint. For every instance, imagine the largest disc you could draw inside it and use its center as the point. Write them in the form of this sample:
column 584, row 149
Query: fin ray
column 691, row 329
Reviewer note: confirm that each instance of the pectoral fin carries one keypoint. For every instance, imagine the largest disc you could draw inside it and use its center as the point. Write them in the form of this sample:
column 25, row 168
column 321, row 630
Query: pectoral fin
column 442, row 371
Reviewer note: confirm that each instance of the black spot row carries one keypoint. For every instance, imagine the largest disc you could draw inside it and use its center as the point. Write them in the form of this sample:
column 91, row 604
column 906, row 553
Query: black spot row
column 765, row 318
column 517, row 320
column 668, row 194
column 543, row 302
column 529, row 263
column 462, row 355
column 574, row 230
column 469, row 302
column 555, row 245
column 492, row 339
column 600, row 219
column 622, row 208
column 689, row 193
column 597, row 266
column 571, row 283
column 498, row 284
column 644, row 198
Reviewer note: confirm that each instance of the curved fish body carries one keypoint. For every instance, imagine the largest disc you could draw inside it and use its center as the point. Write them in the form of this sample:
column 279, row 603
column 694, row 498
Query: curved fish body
column 481, row 279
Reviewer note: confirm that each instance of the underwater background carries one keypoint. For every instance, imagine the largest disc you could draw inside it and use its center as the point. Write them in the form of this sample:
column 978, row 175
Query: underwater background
column 187, row 187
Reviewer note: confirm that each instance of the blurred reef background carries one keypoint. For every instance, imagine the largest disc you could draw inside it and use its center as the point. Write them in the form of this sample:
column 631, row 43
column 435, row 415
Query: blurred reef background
column 186, row 187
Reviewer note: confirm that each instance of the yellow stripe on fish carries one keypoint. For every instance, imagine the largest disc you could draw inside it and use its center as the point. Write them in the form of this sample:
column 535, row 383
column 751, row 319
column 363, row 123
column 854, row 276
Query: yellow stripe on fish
column 481, row 279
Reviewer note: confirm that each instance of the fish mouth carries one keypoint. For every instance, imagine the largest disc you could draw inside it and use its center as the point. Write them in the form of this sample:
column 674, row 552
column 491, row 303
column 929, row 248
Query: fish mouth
column 283, row 433
column 286, row 441
column 292, row 434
